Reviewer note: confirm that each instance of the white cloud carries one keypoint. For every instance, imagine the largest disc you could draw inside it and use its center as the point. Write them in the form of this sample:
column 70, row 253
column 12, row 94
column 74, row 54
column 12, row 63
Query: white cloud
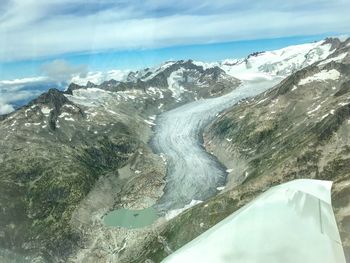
column 31, row 29
column 61, row 70
column 15, row 91
column 5, row 108
column 12, row 92
column 16, row 82
column 97, row 77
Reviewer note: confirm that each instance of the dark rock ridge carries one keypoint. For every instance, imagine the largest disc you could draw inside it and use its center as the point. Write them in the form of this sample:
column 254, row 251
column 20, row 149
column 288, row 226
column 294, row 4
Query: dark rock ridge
column 55, row 99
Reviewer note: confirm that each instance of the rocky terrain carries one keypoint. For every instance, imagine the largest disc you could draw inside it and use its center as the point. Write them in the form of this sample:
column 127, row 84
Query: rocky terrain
column 298, row 129
column 66, row 159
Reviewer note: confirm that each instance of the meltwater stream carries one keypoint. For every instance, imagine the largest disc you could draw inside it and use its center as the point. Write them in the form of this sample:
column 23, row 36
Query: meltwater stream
column 192, row 173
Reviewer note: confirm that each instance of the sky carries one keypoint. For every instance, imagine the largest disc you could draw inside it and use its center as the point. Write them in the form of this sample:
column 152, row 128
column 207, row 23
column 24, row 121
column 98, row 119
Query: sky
column 48, row 43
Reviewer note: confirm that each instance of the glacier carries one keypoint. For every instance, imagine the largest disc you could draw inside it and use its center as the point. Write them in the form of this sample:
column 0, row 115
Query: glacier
column 192, row 173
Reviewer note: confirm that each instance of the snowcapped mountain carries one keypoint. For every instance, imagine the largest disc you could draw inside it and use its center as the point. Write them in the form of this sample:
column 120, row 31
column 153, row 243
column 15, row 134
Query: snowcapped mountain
column 171, row 84
column 190, row 80
column 98, row 77
column 298, row 129
column 186, row 76
column 67, row 158
column 282, row 62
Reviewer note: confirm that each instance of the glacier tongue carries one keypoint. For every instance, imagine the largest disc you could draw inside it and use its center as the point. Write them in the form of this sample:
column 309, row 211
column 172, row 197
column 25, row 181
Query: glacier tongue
column 290, row 223
column 192, row 172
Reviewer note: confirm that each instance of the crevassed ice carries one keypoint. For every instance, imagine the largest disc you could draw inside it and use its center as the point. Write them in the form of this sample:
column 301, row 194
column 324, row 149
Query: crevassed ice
column 192, row 173
column 290, row 223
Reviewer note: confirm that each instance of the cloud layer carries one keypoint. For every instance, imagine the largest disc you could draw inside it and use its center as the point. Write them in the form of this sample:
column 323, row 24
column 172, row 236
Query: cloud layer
column 39, row 28
column 14, row 93
column 61, row 70
column 33, row 29
column 57, row 74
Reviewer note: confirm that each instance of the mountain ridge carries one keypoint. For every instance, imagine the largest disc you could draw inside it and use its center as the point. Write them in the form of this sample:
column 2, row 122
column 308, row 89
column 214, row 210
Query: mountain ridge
column 81, row 153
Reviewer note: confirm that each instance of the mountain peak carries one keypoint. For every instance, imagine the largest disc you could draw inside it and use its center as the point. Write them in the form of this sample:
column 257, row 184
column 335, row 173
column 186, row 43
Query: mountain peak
column 52, row 97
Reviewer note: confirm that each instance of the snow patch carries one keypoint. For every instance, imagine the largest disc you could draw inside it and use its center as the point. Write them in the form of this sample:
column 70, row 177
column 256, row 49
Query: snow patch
column 173, row 213
column 337, row 58
column 149, row 122
column 113, row 112
column 324, row 116
column 173, row 83
column 261, row 101
column 154, row 71
column 68, row 106
column 314, row 110
column 155, row 91
column 321, row 76
column 64, row 114
column 205, row 65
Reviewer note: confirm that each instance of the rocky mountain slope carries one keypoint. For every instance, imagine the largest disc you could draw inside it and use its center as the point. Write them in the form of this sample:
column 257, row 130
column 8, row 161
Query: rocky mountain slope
column 298, row 129
column 60, row 156
column 170, row 85
column 66, row 159
column 52, row 154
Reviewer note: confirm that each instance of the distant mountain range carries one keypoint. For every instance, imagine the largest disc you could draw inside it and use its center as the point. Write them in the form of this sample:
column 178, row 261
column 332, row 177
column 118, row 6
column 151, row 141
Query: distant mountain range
column 69, row 157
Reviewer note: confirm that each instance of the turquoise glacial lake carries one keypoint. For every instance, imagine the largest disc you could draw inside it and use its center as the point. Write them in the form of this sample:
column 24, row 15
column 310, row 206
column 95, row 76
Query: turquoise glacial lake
column 131, row 218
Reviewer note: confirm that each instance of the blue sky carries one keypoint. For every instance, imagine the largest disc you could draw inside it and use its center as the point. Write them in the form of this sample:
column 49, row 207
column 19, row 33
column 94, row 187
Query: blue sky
column 44, row 43
column 104, row 34
column 137, row 59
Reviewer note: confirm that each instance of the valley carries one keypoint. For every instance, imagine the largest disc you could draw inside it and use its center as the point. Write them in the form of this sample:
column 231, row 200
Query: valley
column 195, row 141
